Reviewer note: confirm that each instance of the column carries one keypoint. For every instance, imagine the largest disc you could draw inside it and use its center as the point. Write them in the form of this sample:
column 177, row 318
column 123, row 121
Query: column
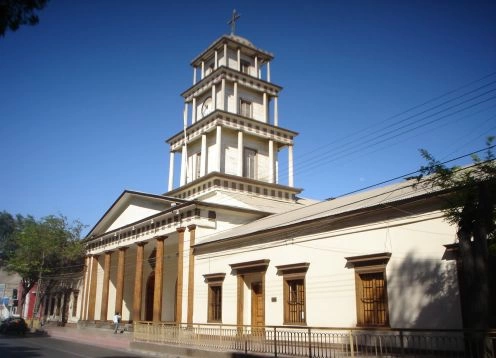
column 194, row 75
column 236, row 100
column 218, row 142
column 214, row 98
column 240, row 153
column 159, row 278
column 86, row 283
column 225, row 55
column 268, row 71
column 203, row 155
column 202, row 70
column 193, row 111
column 138, row 282
column 171, row 171
column 185, row 115
column 240, row 298
column 265, row 107
column 271, row 161
column 180, row 254
column 216, row 58
column 92, row 293
column 239, row 59
column 290, row 166
column 105, row 289
column 223, row 95
column 257, row 73
column 119, row 291
column 191, row 274
column 276, row 112
column 184, row 163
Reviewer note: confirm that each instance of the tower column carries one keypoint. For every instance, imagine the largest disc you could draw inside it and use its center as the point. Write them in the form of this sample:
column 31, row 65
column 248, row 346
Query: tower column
column 194, row 75
column 185, row 115
column 159, row 278
column 92, row 291
column 184, row 163
column 202, row 70
column 180, row 274
column 105, row 288
column 276, row 111
column 216, row 59
column 203, row 155
column 240, row 153
column 218, row 142
column 214, row 98
column 193, row 110
column 225, row 55
column 257, row 73
column 265, row 107
column 171, row 171
column 223, row 95
column 290, row 166
column 271, row 161
column 236, row 99
column 138, row 281
column 239, row 59
column 191, row 274
column 268, row 71
column 119, row 291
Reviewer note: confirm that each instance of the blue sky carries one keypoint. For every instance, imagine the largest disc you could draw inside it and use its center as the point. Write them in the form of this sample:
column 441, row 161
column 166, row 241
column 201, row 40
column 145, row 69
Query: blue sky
column 88, row 97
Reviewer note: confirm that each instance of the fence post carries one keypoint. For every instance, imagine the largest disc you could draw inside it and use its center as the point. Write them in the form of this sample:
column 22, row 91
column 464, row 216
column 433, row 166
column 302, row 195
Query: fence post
column 352, row 353
column 275, row 341
column 309, row 342
column 402, row 346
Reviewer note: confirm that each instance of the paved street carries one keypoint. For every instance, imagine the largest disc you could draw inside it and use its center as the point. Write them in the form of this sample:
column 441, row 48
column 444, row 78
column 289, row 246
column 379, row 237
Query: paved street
column 41, row 346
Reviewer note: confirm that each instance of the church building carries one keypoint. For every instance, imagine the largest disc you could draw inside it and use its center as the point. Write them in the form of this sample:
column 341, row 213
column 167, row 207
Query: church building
column 234, row 242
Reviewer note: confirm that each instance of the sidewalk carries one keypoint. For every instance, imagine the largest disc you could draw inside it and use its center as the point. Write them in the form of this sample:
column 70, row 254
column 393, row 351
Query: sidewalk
column 94, row 336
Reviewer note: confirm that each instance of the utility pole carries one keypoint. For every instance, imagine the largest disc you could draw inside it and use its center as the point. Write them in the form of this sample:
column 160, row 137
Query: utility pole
column 38, row 292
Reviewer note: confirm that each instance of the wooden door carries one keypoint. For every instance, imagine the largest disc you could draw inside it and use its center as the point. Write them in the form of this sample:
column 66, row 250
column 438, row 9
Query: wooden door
column 150, row 290
column 257, row 305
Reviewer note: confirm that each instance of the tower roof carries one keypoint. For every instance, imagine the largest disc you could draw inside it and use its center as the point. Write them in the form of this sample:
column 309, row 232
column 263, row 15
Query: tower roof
column 234, row 41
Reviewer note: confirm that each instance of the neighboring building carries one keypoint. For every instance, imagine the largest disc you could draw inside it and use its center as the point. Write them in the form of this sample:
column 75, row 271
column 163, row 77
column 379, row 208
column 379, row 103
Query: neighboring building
column 234, row 243
column 8, row 293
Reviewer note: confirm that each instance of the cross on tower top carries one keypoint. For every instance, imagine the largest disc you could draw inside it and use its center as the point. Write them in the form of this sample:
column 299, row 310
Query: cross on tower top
column 235, row 16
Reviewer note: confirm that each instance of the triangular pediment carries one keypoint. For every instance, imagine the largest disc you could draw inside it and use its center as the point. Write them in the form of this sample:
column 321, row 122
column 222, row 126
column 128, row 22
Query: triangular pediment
column 130, row 207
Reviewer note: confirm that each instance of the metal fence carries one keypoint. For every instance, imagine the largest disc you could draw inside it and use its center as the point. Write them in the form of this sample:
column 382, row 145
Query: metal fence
column 317, row 342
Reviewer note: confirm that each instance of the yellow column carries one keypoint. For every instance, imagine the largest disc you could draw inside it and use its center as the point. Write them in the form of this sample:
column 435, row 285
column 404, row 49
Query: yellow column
column 138, row 282
column 180, row 253
column 119, row 292
column 85, row 289
column 92, row 293
column 191, row 274
column 159, row 277
column 105, row 289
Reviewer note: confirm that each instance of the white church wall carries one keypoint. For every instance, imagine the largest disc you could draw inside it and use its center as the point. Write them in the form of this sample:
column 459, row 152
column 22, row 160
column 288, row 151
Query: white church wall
column 256, row 102
column 137, row 210
column 417, row 252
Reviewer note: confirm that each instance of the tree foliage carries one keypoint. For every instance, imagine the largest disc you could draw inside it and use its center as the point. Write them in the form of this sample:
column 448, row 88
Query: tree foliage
column 14, row 13
column 49, row 248
column 471, row 206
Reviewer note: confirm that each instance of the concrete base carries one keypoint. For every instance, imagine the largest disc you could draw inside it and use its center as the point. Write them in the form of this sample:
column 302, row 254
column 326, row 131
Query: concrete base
column 189, row 351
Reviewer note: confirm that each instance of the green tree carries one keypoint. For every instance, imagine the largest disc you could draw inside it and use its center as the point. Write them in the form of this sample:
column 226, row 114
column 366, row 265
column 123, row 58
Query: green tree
column 14, row 13
column 471, row 206
column 49, row 248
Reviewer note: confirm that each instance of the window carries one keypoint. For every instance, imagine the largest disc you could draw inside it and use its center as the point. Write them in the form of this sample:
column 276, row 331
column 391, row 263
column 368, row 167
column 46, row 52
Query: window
column 371, row 289
column 294, row 292
column 250, row 163
column 245, row 108
column 197, row 164
column 214, row 282
column 245, row 67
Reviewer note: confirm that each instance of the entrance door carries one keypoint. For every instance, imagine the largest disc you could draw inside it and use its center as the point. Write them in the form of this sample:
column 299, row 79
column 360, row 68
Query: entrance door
column 150, row 290
column 257, row 305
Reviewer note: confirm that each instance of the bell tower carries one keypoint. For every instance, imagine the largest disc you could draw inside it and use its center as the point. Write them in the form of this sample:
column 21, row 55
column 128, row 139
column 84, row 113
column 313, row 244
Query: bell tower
column 231, row 135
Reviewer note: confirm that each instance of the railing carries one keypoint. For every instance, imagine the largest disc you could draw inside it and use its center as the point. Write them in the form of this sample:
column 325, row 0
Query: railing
column 317, row 342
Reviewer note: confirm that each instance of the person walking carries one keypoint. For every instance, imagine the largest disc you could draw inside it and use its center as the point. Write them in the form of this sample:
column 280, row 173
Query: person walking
column 117, row 320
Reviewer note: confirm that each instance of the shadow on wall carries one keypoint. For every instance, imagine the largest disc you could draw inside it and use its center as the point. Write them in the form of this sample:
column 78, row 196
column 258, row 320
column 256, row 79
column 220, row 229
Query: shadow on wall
column 423, row 293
